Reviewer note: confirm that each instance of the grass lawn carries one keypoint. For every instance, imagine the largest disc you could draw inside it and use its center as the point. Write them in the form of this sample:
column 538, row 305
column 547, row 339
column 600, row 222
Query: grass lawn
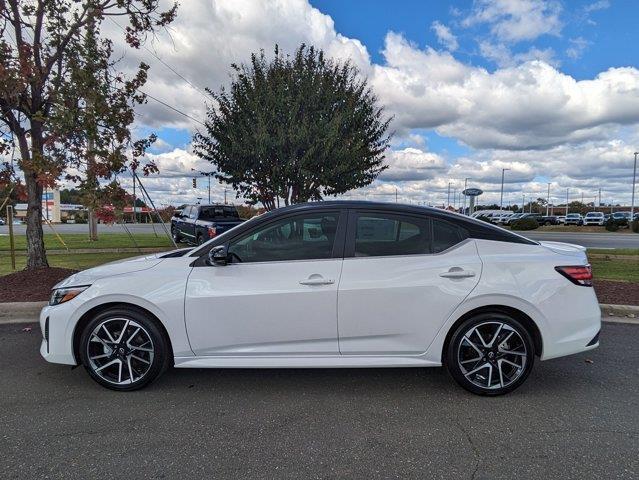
column 614, row 251
column 79, row 240
column 76, row 262
column 615, row 269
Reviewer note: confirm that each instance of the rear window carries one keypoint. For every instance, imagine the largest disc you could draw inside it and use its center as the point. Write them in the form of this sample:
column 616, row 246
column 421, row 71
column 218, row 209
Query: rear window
column 447, row 235
column 221, row 212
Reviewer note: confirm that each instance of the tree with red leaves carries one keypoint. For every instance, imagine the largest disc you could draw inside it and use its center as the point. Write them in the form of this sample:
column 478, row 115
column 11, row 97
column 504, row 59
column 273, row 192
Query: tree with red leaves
column 63, row 104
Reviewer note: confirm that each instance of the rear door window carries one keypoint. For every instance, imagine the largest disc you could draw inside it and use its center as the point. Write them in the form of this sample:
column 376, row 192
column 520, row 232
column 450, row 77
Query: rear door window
column 381, row 234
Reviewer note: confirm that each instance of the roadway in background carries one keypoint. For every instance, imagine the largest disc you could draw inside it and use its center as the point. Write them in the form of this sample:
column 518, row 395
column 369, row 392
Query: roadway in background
column 586, row 239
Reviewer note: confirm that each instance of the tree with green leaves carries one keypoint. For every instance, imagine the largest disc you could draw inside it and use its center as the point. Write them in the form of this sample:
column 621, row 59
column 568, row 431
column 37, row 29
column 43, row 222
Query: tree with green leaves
column 294, row 128
column 64, row 107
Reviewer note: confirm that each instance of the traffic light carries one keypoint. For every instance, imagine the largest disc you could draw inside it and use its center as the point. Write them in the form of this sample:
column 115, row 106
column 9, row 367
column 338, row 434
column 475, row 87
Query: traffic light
column 194, row 183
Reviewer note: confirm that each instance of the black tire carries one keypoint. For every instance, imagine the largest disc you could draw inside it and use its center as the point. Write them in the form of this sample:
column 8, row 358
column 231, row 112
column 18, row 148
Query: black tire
column 176, row 235
column 466, row 332
column 199, row 239
column 148, row 365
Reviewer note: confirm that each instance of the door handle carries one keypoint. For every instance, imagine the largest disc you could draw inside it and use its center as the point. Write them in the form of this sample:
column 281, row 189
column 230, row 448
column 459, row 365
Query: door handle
column 317, row 280
column 457, row 272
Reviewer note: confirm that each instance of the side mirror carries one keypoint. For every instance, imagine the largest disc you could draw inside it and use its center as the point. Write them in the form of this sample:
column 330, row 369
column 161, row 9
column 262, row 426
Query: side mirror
column 218, row 256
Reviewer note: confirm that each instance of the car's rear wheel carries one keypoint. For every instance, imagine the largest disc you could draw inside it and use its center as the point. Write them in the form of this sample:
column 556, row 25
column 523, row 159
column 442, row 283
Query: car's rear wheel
column 199, row 239
column 490, row 354
column 124, row 349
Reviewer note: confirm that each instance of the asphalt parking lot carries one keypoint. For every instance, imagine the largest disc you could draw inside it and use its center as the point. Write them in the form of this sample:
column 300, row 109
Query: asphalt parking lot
column 576, row 417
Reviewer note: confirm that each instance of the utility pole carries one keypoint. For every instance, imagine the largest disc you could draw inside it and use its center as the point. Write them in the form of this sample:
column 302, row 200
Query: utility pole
column 566, row 202
column 208, row 175
column 634, row 181
column 395, row 194
column 548, row 200
column 448, row 198
column 501, row 197
column 523, row 202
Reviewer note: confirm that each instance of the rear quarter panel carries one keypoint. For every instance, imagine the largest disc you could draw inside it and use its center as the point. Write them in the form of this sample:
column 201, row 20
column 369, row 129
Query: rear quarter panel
column 524, row 277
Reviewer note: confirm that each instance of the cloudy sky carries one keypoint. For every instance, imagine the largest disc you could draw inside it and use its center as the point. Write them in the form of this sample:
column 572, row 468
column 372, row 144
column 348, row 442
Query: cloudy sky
column 547, row 89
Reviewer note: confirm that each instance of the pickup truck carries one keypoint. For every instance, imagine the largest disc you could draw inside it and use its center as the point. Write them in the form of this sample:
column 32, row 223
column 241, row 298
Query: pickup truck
column 199, row 223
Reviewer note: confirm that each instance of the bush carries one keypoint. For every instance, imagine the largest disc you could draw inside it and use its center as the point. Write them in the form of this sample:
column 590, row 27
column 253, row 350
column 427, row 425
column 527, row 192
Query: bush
column 612, row 225
column 635, row 226
column 524, row 224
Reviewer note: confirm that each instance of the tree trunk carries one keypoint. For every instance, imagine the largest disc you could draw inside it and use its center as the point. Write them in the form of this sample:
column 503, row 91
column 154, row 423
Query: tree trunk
column 36, row 253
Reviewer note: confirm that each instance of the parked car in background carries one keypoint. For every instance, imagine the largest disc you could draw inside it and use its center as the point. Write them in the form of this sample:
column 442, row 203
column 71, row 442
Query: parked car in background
column 417, row 287
column 512, row 218
column 574, row 219
column 606, row 217
column 622, row 218
column 199, row 223
column 534, row 216
column 549, row 220
column 594, row 218
column 2, row 222
column 500, row 218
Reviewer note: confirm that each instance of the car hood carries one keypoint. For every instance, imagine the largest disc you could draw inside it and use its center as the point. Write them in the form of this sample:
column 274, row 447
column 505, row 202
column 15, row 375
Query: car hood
column 119, row 267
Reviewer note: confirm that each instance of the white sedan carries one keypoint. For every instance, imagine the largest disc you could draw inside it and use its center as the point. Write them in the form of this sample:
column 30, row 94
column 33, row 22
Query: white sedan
column 332, row 284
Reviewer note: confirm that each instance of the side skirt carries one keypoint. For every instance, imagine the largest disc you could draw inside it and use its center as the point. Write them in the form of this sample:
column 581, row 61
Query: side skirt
column 333, row 361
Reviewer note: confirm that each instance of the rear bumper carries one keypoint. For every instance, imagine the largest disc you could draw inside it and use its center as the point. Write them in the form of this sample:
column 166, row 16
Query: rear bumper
column 575, row 331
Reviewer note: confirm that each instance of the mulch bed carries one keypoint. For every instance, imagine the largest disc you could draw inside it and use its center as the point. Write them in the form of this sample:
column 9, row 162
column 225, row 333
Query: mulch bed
column 35, row 285
column 617, row 293
column 31, row 285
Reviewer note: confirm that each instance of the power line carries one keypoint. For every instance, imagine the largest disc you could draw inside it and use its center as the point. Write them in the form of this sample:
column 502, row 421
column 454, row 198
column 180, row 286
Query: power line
column 173, row 108
column 200, row 91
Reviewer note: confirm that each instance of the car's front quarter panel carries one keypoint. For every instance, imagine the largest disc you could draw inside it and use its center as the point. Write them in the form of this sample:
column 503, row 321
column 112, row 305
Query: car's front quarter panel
column 159, row 290
column 523, row 277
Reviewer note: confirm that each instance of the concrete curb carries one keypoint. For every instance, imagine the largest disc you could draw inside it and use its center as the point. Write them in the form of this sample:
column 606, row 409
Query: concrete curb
column 28, row 312
column 20, row 312
column 630, row 312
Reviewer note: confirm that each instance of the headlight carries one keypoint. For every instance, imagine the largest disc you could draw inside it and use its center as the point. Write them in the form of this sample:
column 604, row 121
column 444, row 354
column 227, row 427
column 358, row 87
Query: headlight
column 61, row 295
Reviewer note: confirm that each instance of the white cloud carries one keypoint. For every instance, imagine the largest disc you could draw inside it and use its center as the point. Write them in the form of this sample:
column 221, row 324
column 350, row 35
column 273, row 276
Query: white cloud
column 444, row 36
column 577, row 47
column 501, row 55
column 528, row 106
column 517, row 20
column 413, row 164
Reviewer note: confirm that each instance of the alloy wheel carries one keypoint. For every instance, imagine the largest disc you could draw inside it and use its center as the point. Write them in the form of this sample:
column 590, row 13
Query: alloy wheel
column 120, row 351
column 492, row 355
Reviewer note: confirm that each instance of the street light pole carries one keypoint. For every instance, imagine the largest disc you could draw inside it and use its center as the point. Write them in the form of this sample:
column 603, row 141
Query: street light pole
column 464, row 194
column 566, row 202
column 448, row 199
column 634, row 181
column 548, row 200
column 501, row 197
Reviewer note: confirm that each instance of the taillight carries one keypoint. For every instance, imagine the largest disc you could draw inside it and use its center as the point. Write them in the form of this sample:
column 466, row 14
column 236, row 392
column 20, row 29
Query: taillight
column 212, row 232
column 579, row 274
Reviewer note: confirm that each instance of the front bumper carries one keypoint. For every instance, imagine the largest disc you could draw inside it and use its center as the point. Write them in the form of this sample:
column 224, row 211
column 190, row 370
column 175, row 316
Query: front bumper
column 57, row 334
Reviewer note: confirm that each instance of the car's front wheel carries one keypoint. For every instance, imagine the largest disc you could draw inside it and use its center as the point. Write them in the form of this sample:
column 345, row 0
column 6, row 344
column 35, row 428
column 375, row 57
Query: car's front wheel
column 490, row 354
column 124, row 349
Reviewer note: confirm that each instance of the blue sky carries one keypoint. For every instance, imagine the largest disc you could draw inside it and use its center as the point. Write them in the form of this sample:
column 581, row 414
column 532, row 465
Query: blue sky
column 610, row 28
